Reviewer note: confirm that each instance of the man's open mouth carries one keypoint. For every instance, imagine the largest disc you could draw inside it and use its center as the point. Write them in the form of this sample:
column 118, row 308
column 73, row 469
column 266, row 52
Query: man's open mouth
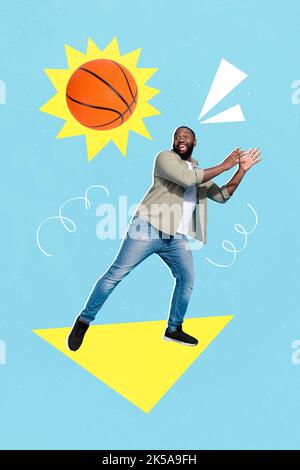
column 182, row 147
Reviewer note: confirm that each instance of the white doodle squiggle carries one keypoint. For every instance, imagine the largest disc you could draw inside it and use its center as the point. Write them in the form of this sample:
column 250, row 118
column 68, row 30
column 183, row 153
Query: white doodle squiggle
column 239, row 229
column 72, row 227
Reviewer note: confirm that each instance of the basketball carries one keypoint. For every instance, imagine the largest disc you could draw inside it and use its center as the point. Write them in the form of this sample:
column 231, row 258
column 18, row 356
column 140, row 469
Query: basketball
column 101, row 94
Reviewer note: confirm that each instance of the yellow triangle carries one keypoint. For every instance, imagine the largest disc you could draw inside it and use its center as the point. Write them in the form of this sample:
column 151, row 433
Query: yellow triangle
column 132, row 358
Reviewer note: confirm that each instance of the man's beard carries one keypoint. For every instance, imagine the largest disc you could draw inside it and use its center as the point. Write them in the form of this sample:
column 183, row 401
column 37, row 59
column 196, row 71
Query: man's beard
column 187, row 154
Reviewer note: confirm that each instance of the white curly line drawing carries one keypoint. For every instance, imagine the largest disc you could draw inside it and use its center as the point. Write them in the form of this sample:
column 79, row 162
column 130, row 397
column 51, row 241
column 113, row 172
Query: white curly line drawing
column 240, row 229
column 72, row 227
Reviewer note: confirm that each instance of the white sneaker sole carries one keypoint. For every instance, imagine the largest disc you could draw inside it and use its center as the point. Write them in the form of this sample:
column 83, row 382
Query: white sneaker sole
column 179, row 342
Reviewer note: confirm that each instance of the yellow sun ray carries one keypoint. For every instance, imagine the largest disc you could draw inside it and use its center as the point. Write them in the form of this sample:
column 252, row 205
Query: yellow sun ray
column 143, row 75
column 59, row 78
column 92, row 50
column 112, row 50
column 74, row 58
column 139, row 128
column 94, row 144
column 96, row 140
column 121, row 141
column 70, row 128
column 57, row 107
column 131, row 58
column 149, row 110
column 149, row 92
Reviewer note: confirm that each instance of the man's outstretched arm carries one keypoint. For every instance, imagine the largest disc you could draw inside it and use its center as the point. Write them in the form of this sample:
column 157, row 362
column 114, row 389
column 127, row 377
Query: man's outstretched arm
column 223, row 193
column 167, row 167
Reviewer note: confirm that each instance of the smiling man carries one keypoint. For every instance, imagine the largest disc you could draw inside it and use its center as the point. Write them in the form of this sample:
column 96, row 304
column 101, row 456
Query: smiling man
column 173, row 209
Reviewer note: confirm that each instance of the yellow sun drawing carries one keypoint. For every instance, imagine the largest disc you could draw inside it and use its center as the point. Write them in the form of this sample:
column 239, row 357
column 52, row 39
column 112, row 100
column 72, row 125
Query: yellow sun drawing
column 104, row 106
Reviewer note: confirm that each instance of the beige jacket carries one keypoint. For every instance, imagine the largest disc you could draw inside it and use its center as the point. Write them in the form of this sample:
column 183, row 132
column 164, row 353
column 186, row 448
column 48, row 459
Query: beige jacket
column 162, row 205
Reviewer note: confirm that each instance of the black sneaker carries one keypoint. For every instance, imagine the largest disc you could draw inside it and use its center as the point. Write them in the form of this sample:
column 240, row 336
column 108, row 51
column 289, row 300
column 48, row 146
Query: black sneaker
column 76, row 336
column 179, row 336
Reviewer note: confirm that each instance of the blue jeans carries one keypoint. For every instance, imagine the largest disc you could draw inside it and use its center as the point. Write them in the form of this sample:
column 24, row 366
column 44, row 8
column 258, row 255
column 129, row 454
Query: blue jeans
column 141, row 241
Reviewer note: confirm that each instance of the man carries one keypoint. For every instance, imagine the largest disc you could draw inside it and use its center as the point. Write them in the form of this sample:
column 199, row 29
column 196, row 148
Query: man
column 173, row 209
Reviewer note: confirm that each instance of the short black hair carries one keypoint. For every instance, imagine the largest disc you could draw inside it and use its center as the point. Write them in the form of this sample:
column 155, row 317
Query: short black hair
column 186, row 127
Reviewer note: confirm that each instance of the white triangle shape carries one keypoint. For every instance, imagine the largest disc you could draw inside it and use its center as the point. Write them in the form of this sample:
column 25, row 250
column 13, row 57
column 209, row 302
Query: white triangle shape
column 234, row 114
column 226, row 79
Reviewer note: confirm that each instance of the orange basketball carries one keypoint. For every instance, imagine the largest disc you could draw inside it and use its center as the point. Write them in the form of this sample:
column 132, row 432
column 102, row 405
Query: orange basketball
column 101, row 94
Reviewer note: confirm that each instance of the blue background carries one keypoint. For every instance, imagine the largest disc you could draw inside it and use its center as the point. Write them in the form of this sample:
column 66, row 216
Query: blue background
column 243, row 392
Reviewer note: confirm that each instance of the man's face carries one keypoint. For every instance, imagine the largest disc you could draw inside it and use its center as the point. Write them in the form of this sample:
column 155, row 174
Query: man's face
column 184, row 142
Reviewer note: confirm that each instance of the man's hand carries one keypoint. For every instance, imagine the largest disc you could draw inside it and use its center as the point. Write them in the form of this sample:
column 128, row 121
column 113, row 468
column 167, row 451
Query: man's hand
column 245, row 160
column 249, row 159
column 233, row 158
